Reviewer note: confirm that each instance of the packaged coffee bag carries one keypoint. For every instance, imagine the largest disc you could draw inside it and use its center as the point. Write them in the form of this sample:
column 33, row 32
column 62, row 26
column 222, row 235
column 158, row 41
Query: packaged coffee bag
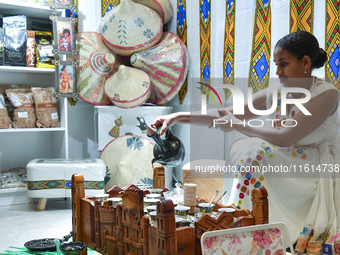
column 4, row 119
column 30, row 49
column 44, row 49
column 24, row 114
column 45, row 107
column 15, row 40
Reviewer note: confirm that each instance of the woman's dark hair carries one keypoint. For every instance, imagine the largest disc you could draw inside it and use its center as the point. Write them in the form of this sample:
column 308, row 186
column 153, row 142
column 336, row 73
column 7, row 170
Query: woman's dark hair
column 66, row 31
column 302, row 43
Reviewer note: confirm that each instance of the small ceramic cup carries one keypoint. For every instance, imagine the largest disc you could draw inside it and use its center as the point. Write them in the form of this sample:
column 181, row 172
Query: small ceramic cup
column 182, row 212
column 153, row 218
column 153, row 196
column 206, row 208
column 101, row 197
column 156, row 191
column 151, row 208
column 228, row 210
column 115, row 200
column 150, row 201
column 178, row 222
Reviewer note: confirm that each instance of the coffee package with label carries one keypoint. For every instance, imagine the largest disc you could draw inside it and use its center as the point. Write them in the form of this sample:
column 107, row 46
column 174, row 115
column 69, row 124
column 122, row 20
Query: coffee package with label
column 44, row 49
column 8, row 103
column 30, row 48
column 1, row 46
column 4, row 87
column 4, row 119
column 45, row 107
column 15, row 40
column 24, row 114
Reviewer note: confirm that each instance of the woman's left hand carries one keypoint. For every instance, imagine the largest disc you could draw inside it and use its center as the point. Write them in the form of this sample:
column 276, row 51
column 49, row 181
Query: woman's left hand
column 225, row 122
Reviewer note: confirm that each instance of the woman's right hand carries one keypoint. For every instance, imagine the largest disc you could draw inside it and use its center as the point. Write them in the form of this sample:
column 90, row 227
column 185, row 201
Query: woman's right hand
column 165, row 122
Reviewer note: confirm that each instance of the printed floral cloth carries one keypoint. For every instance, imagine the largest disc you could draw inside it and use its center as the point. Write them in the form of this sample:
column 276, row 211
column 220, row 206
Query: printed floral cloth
column 266, row 242
column 302, row 190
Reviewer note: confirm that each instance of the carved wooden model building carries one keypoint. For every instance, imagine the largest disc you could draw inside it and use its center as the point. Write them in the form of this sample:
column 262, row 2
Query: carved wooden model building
column 158, row 178
column 124, row 229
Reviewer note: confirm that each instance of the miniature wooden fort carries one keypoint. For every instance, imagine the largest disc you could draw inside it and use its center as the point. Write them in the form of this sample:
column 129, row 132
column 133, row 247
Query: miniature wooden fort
column 125, row 229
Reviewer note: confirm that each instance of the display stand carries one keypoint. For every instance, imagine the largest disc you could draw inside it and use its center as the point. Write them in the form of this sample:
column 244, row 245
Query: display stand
column 124, row 229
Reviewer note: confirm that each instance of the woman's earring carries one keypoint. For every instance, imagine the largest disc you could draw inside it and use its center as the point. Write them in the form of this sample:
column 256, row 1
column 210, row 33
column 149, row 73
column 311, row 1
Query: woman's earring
column 305, row 71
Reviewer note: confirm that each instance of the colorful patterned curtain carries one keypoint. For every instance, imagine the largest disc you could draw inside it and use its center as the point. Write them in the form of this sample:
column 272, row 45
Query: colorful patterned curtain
column 332, row 42
column 301, row 15
column 229, row 46
column 68, row 13
column 205, row 32
column 182, row 33
column 107, row 5
column 260, row 58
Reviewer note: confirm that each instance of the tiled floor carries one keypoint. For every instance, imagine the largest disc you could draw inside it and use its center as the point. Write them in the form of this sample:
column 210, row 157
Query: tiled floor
column 21, row 223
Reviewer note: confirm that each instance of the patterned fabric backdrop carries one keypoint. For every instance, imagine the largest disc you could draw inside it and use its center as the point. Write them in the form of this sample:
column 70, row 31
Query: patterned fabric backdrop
column 259, row 63
column 182, row 33
column 205, row 32
column 332, row 42
column 301, row 15
column 107, row 5
column 229, row 46
column 254, row 19
column 68, row 13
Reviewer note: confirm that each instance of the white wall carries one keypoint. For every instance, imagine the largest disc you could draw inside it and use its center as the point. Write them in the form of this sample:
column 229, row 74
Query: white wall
column 81, row 116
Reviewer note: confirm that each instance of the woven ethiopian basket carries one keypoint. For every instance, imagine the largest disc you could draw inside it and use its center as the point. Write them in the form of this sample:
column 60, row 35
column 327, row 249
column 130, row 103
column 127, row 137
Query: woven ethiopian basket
column 128, row 160
column 130, row 28
column 167, row 65
column 128, row 88
column 162, row 7
column 96, row 65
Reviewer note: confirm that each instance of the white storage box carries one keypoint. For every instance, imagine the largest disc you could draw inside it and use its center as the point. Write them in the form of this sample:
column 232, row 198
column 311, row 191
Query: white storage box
column 51, row 178
column 112, row 122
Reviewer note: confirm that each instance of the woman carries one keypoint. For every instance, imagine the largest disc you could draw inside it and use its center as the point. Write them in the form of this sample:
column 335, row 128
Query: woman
column 305, row 201
column 65, row 40
column 65, row 81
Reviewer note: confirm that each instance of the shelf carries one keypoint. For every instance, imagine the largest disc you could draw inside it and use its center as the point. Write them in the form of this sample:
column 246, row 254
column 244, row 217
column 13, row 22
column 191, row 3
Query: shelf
column 11, row 190
column 23, row 130
column 29, row 10
column 23, row 69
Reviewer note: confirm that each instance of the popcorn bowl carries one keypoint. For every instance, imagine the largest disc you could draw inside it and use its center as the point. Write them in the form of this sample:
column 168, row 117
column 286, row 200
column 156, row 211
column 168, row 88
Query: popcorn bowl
column 72, row 248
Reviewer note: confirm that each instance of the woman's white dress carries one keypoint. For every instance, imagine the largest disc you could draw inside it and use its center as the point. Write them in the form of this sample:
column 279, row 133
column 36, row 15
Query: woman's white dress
column 304, row 192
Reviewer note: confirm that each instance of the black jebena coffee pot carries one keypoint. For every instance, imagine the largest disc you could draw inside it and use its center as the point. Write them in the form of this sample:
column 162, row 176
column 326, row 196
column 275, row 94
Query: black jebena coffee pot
column 169, row 150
